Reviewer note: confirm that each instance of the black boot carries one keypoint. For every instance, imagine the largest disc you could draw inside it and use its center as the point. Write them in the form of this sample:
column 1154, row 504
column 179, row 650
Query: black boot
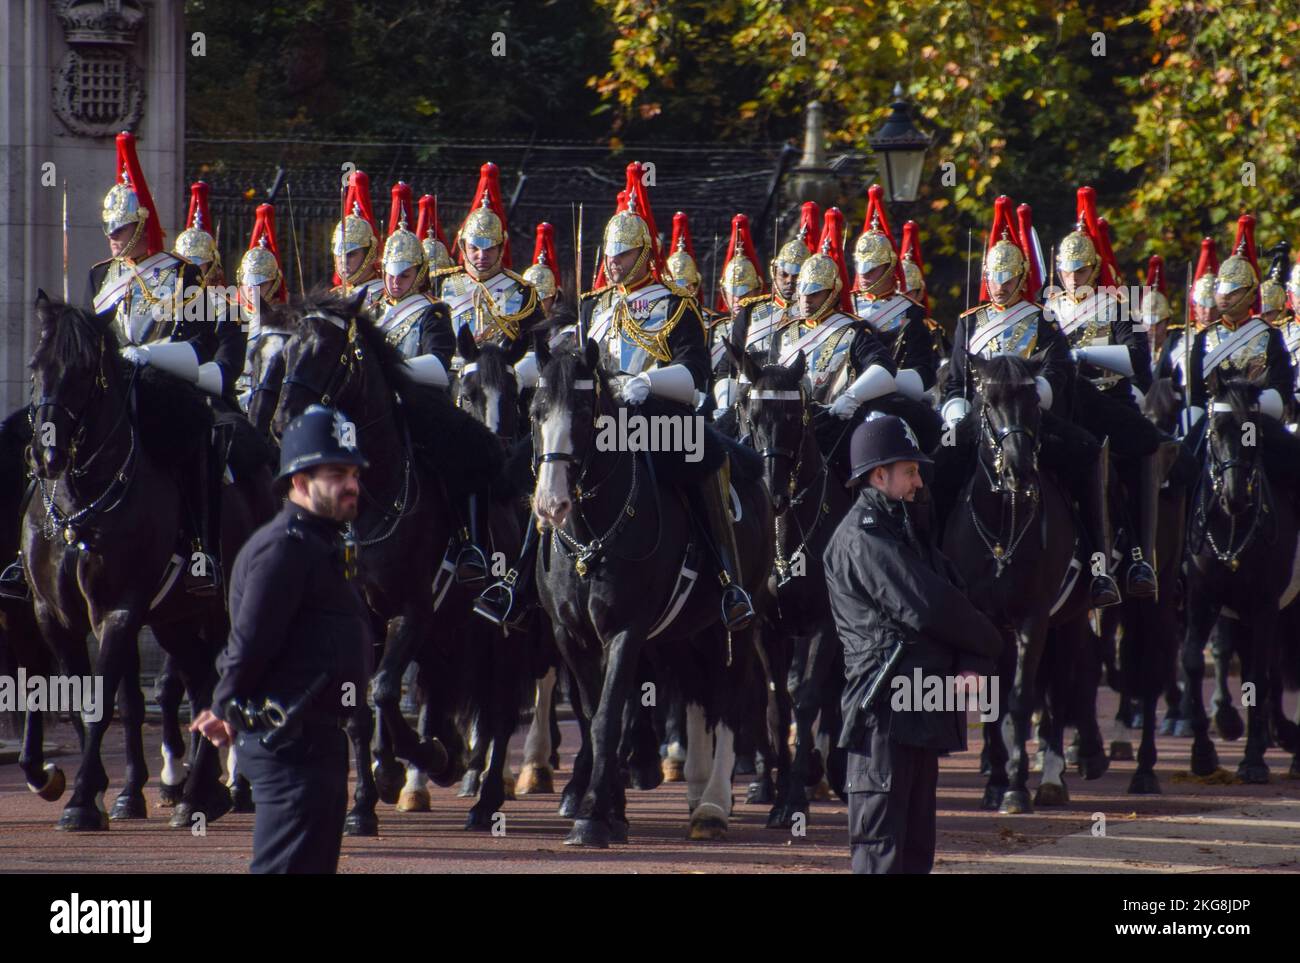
column 13, row 580
column 737, row 609
column 504, row 602
column 1141, row 582
column 1096, row 516
column 206, row 581
column 471, row 563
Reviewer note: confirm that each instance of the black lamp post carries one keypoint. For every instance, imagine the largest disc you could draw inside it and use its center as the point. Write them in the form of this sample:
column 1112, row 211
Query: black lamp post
column 902, row 151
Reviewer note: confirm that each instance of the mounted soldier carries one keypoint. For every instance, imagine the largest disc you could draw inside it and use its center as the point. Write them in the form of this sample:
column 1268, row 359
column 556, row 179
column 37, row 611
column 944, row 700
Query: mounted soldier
column 741, row 279
column 157, row 306
column 356, row 245
column 681, row 267
column 914, row 286
column 1278, row 298
column 1095, row 319
column 544, row 272
column 1172, row 356
column 263, row 293
column 1154, row 310
column 1009, row 322
column 482, row 292
column 412, row 320
column 196, row 243
column 431, row 237
column 878, row 299
column 1240, row 344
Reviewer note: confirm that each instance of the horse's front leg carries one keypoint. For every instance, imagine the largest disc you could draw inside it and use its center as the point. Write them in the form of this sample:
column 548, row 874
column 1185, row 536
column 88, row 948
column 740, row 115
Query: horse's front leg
column 1255, row 671
column 592, row 827
column 130, row 802
column 536, row 776
column 361, row 819
column 1020, row 705
column 117, row 634
column 405, row 633
column 1201, row 614
column 168, row 692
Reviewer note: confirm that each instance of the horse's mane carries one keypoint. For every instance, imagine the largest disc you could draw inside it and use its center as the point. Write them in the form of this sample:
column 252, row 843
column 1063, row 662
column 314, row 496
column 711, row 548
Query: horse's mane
column 1161, row 403
column 1243, row 395
column 778, row 378
column 71, row 339
column 493, row 367
column 560, row 374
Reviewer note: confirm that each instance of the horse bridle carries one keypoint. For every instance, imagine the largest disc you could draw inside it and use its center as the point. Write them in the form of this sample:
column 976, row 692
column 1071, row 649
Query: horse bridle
column 1257, row 490
column 1219, row 468
column 342, row 373
column 997, row 438
column 77, row 420
column 772, row 452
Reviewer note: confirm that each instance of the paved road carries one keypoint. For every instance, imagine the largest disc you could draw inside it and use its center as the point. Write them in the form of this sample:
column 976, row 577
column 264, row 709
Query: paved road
column 1191, row 827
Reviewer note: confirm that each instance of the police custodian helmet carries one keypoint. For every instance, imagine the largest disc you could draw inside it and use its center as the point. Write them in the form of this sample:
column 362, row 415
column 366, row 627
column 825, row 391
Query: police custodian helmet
column 318, row 436
column 882, row 440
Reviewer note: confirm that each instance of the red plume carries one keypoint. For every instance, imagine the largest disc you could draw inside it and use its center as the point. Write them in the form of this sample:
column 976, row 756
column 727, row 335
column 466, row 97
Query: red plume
column 832, row 245
column 544, row 251
column 1003, row 221
column 489, row 184
column 740, row 241
column 1209, row 260
column 1091, row 224
column 1025, row 220
column 810, row 225
column 1109, row 265
column 401, row 207
column 912, row 251
column 130, row 173
column 876, row 212
column 356, row 203
column 635, row 197
column 264, row 227
column 1244, row 246
column 681, row 235
column 1156, row 274
column 199, row 207
column 428, row 222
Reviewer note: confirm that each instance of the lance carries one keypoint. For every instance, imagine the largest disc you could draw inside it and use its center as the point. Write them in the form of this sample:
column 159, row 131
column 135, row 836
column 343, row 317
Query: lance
column 577, row 276
column 1187, row 350
column 343, row 232
column 713, row 270
column 293, row 229
column 965, row 357
column 65, row 239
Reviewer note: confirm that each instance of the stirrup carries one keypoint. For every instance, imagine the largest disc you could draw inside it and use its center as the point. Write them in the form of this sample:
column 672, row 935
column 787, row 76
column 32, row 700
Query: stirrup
column 203, row 586
column 497, row 600
column 471, row 564
column 737, row 608
column 13, row 582
column 1141, row 581
column 1105, row 592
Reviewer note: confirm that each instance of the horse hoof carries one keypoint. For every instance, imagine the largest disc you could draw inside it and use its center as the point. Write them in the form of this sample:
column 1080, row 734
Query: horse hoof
column 1253, row 773
column 618, row 831
column 992, row 797
column 480, row 819
column 535, row 780
column 1144, row 784
column 1121, row 750
column 389, row 779
column 83, row 819
column 1183, row 729
column 590, row 833
column 673, row 770
column 361, row 823
column 55, row 783
column 469, row 786
column 708, row 823
column 1205, row 758
column 645, row 777
column 1015, row 803
column 759, row 793
column 782, row 817
column 568, row 806
column 1094, row 766
column 129, row 806
column 1051, row 794
column 241, row 797
column 1036, row 763
column 508, row 784
column 185, row 811
column 414, row 801
column 169, row 795
column 1228, row 724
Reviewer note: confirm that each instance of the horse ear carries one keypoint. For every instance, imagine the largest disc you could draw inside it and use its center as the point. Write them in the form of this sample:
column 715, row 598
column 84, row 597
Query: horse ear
column 1036, row 362
column 542, row 348
column 1212, row 384
column 44, row 307
column 799, row 366
column 735, row 351
column 591, row 355
column 978, row 365
column 357, row 303
column 466, row 346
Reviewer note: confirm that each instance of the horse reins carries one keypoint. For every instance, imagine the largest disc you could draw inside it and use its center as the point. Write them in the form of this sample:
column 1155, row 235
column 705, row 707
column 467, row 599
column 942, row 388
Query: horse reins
column 1256, row 486
column 1002, row 551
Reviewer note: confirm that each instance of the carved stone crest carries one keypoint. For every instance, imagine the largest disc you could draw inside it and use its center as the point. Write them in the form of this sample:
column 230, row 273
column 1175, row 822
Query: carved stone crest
column 98, row 89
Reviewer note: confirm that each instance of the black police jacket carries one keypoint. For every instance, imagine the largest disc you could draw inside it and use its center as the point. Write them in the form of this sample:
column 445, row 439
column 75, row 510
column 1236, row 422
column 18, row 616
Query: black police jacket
column 294, row 614
column 890, row 587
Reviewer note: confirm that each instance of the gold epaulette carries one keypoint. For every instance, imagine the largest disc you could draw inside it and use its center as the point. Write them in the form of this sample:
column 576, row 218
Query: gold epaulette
column 447, row 271
column 675, row 288
column 594, row 292
column 754, row 299
column 973, row 310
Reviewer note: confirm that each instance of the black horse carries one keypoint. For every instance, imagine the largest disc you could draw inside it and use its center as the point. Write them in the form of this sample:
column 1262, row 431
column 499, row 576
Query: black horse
column 1241, row 545
column 1011, row 536
column 102, row 542
column 422, row 454
column 618, row 549
column 802, row 653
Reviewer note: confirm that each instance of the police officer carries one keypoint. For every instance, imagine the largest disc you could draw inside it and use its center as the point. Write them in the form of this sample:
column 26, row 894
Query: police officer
column 898, row 607
column 298, row 637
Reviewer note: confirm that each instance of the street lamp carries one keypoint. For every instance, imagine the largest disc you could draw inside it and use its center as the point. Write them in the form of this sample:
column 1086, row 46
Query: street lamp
column 902, row 150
